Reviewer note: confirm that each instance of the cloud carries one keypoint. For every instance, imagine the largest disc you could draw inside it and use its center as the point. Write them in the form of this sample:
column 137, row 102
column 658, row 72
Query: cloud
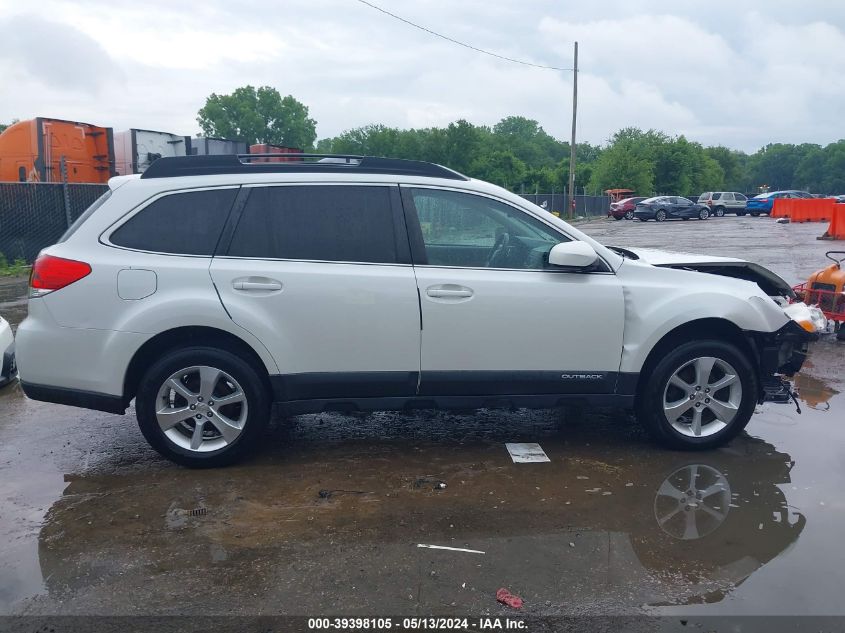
column 54, row 54
column 738, row 74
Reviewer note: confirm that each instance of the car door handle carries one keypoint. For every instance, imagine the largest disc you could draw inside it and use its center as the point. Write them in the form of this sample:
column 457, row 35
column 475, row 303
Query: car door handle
column 448, row 291
column 256, row 284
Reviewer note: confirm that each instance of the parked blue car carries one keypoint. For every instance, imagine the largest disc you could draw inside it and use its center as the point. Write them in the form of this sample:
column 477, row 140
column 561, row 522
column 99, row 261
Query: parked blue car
column 765, row 201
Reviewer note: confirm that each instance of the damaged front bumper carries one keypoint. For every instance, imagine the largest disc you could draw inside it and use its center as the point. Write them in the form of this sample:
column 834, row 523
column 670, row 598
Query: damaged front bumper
column 781, row 354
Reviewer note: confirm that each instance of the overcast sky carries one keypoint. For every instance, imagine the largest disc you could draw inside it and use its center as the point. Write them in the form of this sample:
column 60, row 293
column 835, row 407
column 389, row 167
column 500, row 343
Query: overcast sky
column 740, row 73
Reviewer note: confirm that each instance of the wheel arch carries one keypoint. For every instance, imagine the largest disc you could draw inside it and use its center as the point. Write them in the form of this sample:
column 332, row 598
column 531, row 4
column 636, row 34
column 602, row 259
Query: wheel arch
column 188, row 336
column 699, row 329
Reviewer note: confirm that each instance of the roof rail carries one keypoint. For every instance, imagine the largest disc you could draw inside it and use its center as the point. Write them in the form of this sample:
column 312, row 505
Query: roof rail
column 174, row 166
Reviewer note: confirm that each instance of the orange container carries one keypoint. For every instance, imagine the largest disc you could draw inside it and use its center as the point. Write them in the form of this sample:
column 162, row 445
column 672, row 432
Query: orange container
column 782, row 208
column 264, row 148
column 32, row 151
column 836, row 230
column 804, row 209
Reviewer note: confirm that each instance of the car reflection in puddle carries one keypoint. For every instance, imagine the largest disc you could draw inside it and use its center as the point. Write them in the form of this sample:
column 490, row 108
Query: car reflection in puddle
column 576, row 531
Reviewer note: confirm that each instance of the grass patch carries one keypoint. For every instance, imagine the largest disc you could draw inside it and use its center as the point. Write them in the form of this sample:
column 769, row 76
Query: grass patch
column 15, row 268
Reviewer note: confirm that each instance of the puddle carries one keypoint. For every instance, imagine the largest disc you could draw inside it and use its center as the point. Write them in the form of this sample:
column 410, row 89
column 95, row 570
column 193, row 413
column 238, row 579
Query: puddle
column 334, row 507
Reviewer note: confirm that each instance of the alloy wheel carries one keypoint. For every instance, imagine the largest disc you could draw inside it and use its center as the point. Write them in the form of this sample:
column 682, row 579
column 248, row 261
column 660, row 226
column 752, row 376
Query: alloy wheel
column 201, row 408
column 661, row 215
column 629, row 215
column 702, row 397
column 703, row 214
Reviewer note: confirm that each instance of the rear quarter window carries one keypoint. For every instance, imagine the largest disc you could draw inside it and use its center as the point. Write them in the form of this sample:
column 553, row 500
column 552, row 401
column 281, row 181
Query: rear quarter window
column 340, row 223
column 187, row 223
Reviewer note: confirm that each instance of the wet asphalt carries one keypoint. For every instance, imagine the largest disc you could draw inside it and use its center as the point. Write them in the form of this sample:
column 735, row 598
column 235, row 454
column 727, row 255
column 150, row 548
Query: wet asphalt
column 328, row 517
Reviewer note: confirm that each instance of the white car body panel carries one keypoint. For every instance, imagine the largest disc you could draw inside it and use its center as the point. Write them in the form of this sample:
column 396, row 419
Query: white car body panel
column 6, row 336
column 521, row 320
column 657, row 300
column 328, row 316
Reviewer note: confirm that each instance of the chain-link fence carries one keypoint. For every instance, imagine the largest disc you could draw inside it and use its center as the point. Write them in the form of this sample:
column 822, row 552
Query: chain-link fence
column 584, row 205
column 35, row 215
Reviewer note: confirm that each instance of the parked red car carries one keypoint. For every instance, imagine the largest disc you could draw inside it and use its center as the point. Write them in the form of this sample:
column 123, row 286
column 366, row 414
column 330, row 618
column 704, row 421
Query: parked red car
column 624, row 208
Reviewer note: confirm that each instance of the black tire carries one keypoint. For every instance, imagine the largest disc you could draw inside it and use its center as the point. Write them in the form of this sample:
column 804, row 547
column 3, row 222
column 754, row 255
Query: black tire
column 719, row 212
column 629, row 215
column 685, row 219
column 740, row 214
column 617, row 217
column 649, row 406
column 755, row 214
column 254, row 387
column 660, row 216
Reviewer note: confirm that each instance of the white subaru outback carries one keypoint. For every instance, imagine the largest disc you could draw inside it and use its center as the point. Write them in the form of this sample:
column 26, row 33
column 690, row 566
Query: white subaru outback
column 210, row 288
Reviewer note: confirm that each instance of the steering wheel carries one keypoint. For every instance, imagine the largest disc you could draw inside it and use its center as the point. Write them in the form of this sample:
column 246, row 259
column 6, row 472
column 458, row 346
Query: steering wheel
column 499, row 249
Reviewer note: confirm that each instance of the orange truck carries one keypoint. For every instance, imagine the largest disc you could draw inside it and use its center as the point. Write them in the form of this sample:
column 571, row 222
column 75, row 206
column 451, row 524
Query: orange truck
column 32, row 151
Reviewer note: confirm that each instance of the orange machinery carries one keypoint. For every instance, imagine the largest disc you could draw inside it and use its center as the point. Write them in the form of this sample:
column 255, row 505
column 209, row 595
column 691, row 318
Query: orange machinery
column 826, row 289
column 32, row 151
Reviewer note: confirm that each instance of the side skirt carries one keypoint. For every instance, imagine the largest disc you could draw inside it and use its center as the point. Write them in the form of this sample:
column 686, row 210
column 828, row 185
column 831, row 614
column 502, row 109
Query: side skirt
column 348, row 405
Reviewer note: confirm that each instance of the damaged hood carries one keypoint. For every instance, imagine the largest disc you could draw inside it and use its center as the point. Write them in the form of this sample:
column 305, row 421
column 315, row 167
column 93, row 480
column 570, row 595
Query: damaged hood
column 770, row 283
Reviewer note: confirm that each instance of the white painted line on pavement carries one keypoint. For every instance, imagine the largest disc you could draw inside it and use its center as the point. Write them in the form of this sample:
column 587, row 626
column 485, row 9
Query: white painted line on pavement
column 451, row 549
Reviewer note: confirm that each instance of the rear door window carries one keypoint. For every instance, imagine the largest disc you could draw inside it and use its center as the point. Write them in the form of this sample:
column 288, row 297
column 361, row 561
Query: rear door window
column 187, row 223
column 717, row 196
column 338, row 223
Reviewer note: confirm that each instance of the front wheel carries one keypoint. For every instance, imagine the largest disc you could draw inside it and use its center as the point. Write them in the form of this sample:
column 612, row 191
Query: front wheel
column 661, row 216
column 703, row 214
column 202, row 407
column 755, row 214
column 740, row 214
column 699, row 395
column 617, row 217
column 629, row 215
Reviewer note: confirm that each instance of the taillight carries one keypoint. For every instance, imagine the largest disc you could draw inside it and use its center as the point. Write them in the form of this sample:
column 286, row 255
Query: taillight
column 53, row 273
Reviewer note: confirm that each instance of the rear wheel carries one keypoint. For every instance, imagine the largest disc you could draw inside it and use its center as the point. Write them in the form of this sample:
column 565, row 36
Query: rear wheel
column 661, row 216
column 719, row 212
column 739, row 214
column 617, row 217
column 202, row 407
column 755, row 214
column 699, row 395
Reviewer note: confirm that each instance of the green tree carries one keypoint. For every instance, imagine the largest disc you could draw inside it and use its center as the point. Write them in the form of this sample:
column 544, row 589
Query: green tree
column 627, row 163
column 3, row 126
column 258, row 116
column 734, row 165
column 502, row 168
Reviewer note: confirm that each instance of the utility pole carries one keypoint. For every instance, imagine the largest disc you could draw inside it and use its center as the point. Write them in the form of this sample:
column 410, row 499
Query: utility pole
column 571, row 200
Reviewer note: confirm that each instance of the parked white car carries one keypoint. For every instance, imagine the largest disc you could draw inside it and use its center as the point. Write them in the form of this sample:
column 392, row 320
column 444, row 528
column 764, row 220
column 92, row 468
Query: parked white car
column 209, row 289
column 8, row 368
column 722, row 202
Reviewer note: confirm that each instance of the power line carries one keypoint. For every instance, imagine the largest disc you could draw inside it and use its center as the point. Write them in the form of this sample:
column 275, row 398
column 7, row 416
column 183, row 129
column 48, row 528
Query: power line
column 459, row 43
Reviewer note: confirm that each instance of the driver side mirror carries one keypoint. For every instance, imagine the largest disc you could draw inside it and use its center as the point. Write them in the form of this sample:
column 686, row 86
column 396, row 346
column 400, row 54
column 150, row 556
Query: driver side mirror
column 578, row 255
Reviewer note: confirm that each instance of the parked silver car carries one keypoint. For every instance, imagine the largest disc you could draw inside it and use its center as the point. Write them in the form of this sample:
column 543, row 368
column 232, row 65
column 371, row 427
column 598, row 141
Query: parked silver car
column 722, row 202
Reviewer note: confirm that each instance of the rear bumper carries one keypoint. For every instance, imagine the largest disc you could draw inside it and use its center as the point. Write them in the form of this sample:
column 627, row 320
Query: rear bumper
column 8, row 366
column 75, row 397
column 646, row 215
